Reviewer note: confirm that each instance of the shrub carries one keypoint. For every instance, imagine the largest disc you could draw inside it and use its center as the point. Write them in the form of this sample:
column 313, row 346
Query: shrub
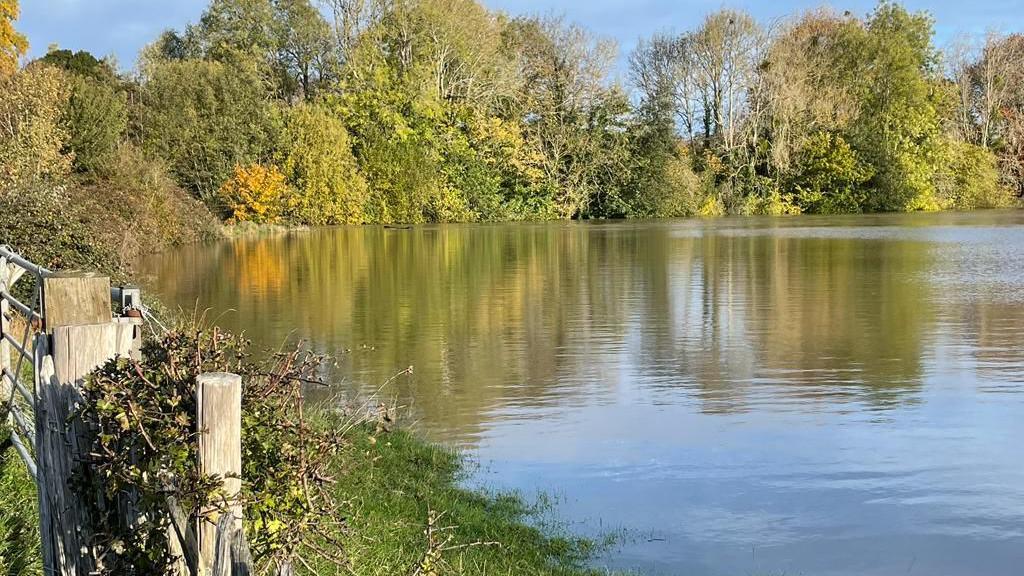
column 969, row 179
column 255, row 193
column 763, row 197
column 143, row 442
column 136, row 208
column 317, row 160
column 681, row 192
column 829, row 177
column 69, row 243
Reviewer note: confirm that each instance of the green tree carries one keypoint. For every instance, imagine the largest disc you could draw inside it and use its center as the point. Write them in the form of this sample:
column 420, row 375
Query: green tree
column 304, row 51
column 97, row 119
column 897, row 130
column 829, row 177
column 968, row 178
column 317, row 161
column 204, row 118
column 233, row 31
column 571, row 114
column 81, row 63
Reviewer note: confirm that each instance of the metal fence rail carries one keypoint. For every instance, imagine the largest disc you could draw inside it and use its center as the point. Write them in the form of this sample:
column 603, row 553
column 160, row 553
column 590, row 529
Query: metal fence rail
column 16, row 354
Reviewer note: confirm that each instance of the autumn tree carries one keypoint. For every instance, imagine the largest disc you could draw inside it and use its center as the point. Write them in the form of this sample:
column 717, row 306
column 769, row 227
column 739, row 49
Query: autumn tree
column 316, row 159
column 13, row 45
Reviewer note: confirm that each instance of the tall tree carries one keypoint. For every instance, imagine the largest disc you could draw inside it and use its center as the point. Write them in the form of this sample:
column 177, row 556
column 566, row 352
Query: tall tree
column 305, row 56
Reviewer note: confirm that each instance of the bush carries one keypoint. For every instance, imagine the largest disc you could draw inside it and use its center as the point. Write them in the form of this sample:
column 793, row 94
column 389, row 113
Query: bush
column 136, row 208
column 969, row 179
column 829, row 177
column 255, row 193
column 32, row 140
column 70, row 242
column 763, row 197
column 317, row 161
column 143, row 442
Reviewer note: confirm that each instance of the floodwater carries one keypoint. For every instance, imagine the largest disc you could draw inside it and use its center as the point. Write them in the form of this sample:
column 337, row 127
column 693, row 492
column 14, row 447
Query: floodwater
column 802, row 395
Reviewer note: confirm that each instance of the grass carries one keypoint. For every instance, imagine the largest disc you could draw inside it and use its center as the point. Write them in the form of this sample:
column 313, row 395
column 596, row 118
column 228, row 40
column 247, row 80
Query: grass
column 251, row 230
column 19, row 520
column 404, row 514
column 408, row 515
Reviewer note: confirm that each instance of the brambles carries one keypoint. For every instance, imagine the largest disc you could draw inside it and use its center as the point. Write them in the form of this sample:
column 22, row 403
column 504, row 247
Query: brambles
column 143, row 447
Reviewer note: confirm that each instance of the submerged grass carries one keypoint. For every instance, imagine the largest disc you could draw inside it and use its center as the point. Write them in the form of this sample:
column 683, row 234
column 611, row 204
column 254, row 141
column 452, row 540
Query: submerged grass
column 402, row 512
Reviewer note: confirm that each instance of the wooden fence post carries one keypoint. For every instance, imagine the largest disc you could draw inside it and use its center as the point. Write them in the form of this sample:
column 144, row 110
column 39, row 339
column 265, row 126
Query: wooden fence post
column 219, row 420
column 76, row 310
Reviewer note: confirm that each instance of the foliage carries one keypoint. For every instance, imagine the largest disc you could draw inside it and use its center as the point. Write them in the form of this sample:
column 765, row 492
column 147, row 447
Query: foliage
column 143, row 442
column 32, row 136
column 969, row 179
column 81, row 63
column 317, row 161
column 304, row 59
column 13, row 45
column 897, row 131
column 70, row 242
column 136, row 208
column 19, row 519
column 204, row 118
column 443, row 110
column 255, row 193
column 829, row 177
column 97, row 119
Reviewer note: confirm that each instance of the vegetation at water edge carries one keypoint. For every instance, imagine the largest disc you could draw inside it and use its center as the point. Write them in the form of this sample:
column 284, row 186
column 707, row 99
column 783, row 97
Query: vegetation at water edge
column 289, row 112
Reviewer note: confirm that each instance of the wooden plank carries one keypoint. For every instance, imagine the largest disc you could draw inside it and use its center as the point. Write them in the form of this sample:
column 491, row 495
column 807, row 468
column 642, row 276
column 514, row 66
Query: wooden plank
column 231, row 556
column 65, row 526
column 134, row 336
column 76, row 298
column 219, row 419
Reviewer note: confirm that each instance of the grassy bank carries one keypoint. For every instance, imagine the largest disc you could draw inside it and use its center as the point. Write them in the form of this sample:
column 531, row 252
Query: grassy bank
column 407, row 514
column 402, row 511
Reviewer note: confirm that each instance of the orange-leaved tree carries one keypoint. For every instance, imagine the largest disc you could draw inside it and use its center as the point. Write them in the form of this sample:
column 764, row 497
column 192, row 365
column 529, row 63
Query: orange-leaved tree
column 255, row 193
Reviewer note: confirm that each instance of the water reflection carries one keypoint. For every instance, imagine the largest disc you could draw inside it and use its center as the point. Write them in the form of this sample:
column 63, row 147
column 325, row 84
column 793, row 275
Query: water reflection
column 842, row 393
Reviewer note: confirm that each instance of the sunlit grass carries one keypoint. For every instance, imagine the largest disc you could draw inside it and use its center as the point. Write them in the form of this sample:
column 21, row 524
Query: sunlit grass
column 406, row 513
column 402, row 512
column 19, row 520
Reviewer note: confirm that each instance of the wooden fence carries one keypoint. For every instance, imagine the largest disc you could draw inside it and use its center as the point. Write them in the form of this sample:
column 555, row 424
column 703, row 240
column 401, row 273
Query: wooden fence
column 68, row 327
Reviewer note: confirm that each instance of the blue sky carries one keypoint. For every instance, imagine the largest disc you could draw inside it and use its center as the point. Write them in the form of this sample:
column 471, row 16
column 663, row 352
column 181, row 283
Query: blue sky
column 122, row 27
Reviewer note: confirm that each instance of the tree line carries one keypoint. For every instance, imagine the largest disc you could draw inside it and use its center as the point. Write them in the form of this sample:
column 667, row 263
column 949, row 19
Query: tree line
column 384, row 111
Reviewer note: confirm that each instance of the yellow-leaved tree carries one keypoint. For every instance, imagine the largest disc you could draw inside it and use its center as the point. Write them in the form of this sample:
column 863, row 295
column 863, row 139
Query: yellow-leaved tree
column 255, row 193
column 318, row 162
column 12, row 44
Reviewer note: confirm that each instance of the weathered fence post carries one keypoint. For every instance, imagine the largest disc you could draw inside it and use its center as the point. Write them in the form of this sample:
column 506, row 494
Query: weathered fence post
column 77, row 316
column 219, row 421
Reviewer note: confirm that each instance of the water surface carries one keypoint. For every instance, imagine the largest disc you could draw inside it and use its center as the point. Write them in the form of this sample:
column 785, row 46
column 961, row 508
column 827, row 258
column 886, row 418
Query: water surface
column 821, row 396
